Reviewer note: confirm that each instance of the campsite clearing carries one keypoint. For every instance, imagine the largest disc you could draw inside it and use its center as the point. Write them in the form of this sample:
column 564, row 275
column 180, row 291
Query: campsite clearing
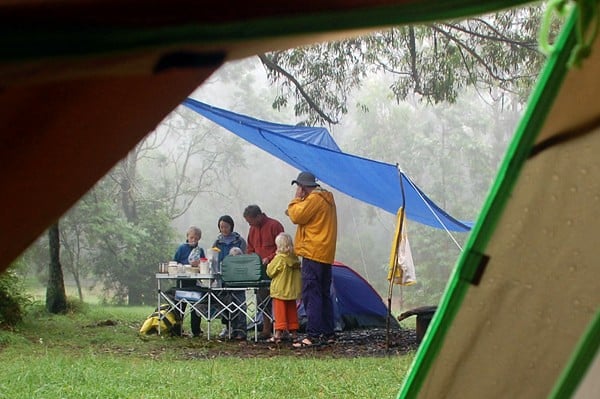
column 98, row 353
column 349, row 344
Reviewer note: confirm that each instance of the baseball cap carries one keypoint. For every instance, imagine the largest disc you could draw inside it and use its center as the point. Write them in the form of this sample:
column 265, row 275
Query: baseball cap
column 305, row 179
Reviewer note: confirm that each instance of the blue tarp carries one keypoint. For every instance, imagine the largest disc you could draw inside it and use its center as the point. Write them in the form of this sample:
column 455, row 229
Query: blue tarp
column 313, row 149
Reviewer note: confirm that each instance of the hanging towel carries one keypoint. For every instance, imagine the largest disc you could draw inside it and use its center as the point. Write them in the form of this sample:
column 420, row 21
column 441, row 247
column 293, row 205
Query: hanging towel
column 401, row 267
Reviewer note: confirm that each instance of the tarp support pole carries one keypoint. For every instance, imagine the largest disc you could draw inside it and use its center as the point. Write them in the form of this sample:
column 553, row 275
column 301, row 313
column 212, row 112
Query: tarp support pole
column 395, row 264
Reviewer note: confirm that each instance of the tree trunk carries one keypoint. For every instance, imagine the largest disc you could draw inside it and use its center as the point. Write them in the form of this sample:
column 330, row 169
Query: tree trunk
column 56, row 297
column 128, row 202
column 135, row 296
column 78, row 283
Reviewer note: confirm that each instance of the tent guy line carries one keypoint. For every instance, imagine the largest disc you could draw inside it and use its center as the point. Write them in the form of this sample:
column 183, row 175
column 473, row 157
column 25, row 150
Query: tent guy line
column 433, row 212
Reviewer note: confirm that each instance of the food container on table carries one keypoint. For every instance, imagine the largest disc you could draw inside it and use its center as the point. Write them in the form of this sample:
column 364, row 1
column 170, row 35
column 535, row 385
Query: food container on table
column 212, row 255
column 204, row 266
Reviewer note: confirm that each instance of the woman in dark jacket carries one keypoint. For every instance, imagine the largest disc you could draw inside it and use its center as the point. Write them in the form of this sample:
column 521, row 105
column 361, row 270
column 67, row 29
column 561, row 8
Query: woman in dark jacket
column 226, row 240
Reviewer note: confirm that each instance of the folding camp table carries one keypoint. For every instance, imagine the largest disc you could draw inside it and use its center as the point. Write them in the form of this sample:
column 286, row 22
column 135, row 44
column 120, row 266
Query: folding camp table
column 185, row 300
column 207, row 299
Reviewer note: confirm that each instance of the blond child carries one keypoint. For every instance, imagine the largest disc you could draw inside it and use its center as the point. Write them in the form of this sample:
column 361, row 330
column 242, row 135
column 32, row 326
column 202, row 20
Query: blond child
column 286, row 287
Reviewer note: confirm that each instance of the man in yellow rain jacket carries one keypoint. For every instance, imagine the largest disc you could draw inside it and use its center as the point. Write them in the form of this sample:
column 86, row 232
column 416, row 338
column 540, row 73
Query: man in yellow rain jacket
column 313, row 210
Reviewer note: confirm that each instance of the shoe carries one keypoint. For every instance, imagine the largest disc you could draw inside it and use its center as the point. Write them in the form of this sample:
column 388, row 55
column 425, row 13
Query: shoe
column 224, row 333
column 195, row 334
column 330, row 339
column 264, row 337
column 304, row 343
column 289, row 338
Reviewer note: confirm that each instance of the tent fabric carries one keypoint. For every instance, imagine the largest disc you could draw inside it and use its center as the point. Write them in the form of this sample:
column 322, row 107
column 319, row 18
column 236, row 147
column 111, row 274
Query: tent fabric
column 314, row 150
column 516, row 327
column 356, row 304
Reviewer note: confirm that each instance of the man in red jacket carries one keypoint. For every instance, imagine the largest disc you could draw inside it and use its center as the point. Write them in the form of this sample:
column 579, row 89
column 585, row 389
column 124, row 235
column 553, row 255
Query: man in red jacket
column 261, row 240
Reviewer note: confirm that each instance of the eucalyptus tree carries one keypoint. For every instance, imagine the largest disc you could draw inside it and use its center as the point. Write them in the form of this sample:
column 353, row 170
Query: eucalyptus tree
column 56, row 297
column 434, row 61
column 75, row 245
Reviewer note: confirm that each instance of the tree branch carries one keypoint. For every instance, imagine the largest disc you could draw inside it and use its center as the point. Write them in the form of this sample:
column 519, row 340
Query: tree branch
column 500, row 38
column 471, row 52
column 274, row 67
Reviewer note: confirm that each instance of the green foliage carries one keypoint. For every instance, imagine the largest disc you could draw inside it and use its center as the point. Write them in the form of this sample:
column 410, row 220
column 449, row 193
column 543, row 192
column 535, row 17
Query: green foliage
column 75, row 305
column 14, row 301
column 97, row 238
column 436, row 62
column 124, row 253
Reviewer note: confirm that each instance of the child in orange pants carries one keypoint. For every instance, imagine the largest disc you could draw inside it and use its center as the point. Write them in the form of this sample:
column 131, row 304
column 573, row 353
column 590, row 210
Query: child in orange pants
column 286, row 287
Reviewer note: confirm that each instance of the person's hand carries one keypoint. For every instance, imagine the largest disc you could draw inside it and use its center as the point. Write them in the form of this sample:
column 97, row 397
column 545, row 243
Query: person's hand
column 265, row 261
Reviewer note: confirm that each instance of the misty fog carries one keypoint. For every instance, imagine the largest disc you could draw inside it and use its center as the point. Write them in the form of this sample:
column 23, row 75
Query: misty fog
column 189, row 171
column 365, row 233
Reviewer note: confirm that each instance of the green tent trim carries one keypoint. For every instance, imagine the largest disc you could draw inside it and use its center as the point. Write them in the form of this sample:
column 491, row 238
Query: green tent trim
column 471, row 266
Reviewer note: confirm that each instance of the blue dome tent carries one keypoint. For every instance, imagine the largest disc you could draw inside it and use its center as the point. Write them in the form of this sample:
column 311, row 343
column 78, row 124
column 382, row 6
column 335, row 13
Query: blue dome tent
column 356, row 304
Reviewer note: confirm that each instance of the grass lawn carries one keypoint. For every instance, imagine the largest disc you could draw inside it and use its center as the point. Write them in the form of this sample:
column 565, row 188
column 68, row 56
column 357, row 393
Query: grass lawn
column 98, row 353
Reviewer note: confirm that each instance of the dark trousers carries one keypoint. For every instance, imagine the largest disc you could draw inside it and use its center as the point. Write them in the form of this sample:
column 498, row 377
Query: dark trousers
column 238, row 317
column 195, row 323
column 316, row 284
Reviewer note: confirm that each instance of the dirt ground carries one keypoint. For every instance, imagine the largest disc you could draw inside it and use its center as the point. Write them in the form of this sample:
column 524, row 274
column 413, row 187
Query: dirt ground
column 356, row 343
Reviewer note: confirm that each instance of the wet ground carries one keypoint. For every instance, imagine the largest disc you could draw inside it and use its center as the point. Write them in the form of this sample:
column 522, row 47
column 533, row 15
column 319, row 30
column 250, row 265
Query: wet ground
column 355, row 343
